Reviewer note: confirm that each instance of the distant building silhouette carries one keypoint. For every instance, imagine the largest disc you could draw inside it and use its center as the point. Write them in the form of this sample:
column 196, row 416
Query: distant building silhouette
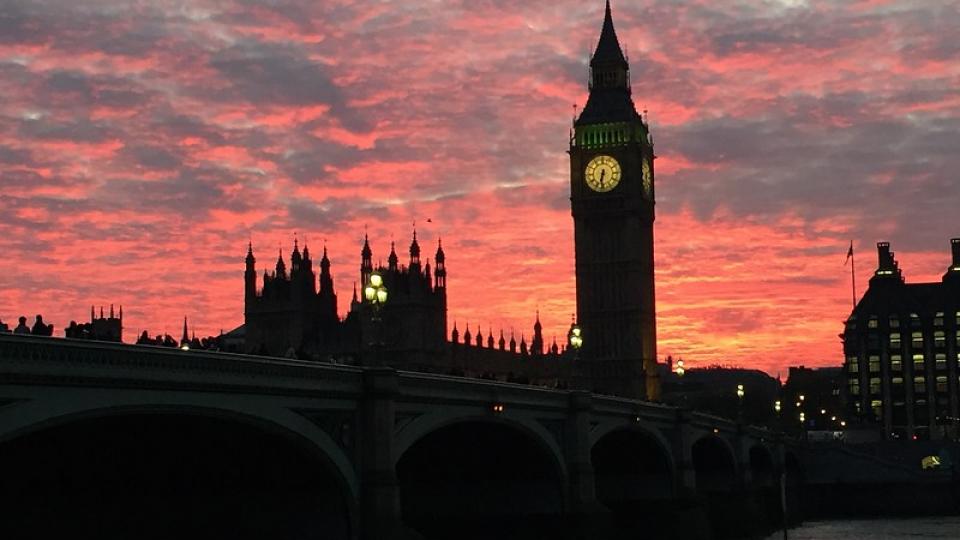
column 902, row 347
column 99, row 328
column 288, row 315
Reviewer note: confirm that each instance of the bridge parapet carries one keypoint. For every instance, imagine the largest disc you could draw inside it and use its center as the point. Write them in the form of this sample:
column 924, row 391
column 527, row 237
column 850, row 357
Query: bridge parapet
column 44, row 360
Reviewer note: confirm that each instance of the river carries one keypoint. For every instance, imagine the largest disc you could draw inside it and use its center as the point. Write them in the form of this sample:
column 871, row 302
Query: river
column 877, row 529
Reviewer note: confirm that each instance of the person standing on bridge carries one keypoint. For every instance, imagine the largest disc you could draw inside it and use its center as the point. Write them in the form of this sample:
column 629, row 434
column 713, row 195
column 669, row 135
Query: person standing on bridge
column 42, row 329
column 22, row 328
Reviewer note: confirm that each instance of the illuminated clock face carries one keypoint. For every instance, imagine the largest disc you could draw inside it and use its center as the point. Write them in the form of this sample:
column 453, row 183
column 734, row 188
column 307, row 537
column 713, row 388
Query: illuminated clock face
column 647, row 178
column 603, row 173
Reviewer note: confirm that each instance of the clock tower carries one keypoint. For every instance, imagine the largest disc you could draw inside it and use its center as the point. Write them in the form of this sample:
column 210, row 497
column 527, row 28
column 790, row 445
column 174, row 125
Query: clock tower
column 612, row 200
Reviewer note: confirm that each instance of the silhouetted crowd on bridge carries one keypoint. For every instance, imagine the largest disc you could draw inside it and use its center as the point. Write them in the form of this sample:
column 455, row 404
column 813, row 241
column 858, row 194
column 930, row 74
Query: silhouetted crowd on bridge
column 39, row 327
column 210, row 343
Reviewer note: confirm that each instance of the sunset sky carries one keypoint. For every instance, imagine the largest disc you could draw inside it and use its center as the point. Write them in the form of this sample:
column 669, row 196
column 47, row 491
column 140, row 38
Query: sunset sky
column 142, row 143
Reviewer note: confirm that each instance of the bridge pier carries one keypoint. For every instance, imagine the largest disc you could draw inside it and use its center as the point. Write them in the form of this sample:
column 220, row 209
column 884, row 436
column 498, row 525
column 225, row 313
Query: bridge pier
column 380, row 490
column 588, row 516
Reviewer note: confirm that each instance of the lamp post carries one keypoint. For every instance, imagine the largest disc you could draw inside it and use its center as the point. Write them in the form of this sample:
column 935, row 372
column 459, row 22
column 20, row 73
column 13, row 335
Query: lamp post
column 680, row 369
column 575, row 337
column 375, row 293
column 575, row 341
column 740, row 394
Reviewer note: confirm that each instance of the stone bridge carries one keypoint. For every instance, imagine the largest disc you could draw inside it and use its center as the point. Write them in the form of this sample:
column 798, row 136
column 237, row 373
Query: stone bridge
column 140, row 442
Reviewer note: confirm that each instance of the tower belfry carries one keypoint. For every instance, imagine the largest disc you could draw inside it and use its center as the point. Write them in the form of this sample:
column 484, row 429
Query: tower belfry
column 612, row 202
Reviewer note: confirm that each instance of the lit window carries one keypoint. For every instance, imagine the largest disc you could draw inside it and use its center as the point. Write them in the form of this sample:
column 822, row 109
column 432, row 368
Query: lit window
column 875, row 385
column 918, row 362
column 872, row 322
column 917, row 340
column 894, row 322
column 877, row 406
column 896, row 363
column 938, row 319
column 894, row 340
column 941, row 383
column 914, row 320
column 939, row 339
column 897, row 381
column 853, row 365
column 920, row 385
column 854, row 387
column 874, row 364
column 958, row 336
column 941, row 361
column 958, row 318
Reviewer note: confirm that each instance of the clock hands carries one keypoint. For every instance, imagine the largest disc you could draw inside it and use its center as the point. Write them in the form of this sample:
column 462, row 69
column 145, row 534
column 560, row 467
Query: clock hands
column 603, row 172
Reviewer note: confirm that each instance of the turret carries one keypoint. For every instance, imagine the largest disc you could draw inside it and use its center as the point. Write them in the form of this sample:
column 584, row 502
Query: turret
column 489, row 338
column 455, row 335
column 326, row 279
column 327, row 295
column 281, row 267
column 306, row 264
column 536, row 346
column 366, row 261
column 953, row 271
column 479, row 337
column 415, row 254
column 440, row 273
column 295, row 258
column 513, row 343
column 502, row 343
column 467, row 335
column 392, row 261
column 250, row 275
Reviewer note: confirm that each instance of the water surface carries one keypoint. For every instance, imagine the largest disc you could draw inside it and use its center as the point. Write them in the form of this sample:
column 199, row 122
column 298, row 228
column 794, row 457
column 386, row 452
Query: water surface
column 877, row 529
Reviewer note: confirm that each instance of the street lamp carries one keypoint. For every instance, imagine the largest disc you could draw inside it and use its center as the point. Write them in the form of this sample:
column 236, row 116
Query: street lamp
column 574, row 337
column 680, row 369
column 776, row 406
column 375, row 292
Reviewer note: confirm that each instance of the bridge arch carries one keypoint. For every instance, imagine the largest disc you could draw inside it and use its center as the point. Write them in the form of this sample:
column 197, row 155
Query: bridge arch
column 632, row 464
column 428, row 423
column 634, row 477
column 481, row 477
column 714, row 464
column 762, row 466
column 141, row 463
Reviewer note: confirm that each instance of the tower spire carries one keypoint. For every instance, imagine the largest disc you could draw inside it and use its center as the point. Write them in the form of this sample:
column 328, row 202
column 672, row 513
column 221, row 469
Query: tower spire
column 608, row 47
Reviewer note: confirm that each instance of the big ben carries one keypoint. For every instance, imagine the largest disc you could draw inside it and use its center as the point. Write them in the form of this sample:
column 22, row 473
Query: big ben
column 612, row 201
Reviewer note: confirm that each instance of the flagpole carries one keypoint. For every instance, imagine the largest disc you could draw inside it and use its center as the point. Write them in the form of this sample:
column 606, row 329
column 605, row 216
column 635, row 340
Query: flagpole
column 853, row 274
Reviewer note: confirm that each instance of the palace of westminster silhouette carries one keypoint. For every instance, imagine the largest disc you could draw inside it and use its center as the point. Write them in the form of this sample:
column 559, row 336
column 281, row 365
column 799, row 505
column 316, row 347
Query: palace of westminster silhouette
column 612, row 202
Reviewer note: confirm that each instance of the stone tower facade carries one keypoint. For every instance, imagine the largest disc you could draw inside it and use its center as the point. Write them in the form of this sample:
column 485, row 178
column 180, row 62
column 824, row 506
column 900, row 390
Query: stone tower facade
column 612, row 201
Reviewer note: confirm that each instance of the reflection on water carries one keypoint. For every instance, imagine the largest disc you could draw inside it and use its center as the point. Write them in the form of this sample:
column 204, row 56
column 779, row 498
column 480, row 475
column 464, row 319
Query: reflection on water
column 877, row 529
